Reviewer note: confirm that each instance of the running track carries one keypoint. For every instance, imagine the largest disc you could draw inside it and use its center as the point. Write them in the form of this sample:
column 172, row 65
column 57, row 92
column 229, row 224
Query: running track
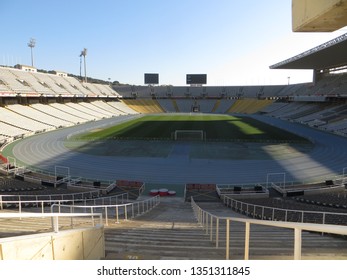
column 45, row 151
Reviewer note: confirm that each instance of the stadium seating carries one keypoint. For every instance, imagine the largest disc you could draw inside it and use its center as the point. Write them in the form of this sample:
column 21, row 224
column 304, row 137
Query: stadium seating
column 11, row 117
column 297, row 210
column 144, row 105
column 36, row 115
column 8, row 130
column 168, row 105
column 14, row 83
column 71, row 109
column 19, row 81
column 122, row 107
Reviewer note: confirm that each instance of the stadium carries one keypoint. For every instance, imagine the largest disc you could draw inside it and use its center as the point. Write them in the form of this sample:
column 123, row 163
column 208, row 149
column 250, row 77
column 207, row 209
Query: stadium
column 175, row 172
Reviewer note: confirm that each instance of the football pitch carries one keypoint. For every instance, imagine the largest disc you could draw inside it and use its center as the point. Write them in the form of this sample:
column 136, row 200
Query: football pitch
column 216, row 128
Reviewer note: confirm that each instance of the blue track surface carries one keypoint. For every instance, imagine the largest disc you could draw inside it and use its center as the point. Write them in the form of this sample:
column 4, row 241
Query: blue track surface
column 326, row 159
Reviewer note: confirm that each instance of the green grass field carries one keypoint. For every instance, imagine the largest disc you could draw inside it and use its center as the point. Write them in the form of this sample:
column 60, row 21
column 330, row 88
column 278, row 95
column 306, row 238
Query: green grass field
column 216, row 127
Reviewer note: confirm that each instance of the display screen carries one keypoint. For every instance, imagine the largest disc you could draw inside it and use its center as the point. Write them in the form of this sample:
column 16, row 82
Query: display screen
column 196, row 79
column 151, row 78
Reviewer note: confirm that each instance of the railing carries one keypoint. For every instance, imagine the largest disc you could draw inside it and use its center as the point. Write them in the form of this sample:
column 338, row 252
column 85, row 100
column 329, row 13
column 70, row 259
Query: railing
column 286, row 215
column 41, row 203
column 211, row 223
column 62, row 196
column 119, row 211
column 55, row 218
column 337, row 179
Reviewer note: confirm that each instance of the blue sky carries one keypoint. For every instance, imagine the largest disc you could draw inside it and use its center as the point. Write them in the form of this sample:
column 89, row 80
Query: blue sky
column 233, row 41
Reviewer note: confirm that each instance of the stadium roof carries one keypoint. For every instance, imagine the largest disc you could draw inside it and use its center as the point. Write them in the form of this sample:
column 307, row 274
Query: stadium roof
column 331, row 54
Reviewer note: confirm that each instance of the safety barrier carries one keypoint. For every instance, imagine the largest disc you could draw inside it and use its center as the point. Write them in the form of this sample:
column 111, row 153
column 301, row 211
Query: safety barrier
column 286, row 215
column 211, row 223
column 38, row 202
column 55, row 218
column 77, row 236
column 119, row 211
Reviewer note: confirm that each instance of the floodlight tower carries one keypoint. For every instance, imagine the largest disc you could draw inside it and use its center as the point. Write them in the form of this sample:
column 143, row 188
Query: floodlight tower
column 31, row 45
column 81, row 65
column 84, row 53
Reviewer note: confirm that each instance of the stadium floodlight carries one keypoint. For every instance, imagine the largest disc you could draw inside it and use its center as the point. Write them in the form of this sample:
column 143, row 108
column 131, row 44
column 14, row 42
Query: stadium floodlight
column 31, row 45
column 83, row 53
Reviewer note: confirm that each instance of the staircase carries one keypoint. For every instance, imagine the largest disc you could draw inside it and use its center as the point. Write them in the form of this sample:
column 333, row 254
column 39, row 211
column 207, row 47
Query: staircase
column 216, row 105
column 174, row 103
column 275, row 243
column 169, row 231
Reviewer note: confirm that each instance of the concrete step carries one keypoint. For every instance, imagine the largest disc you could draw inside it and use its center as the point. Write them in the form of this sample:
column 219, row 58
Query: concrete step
column 170, row 231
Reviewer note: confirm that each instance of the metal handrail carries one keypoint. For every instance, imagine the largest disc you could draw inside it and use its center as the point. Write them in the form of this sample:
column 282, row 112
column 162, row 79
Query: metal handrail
column 55, row 217
column 210, row 223
column 127, row 210
column 42, row 202
column 248, row 208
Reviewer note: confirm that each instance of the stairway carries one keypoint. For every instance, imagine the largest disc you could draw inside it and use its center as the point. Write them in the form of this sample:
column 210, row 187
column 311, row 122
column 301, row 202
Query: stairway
column 169, row 231
column 275, row 243
column 174, row 103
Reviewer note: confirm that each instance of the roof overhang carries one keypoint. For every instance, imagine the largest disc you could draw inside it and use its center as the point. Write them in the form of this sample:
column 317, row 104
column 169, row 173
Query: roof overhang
column 332, row 54
column 318, row 15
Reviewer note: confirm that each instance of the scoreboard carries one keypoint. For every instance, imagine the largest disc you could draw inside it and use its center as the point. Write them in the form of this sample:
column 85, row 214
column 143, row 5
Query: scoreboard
column 151, row 78
column 196, row 79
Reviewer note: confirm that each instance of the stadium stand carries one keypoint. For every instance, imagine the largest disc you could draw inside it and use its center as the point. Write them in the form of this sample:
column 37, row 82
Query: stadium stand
column 11, row 117
column 248, row 106
column 122, row 107
column 76, row 116
column 11, row 131
column 36, row 115
column 86, row 111
column 144, row 105
column 167, row 105
column 36, row 102
column 298, row 209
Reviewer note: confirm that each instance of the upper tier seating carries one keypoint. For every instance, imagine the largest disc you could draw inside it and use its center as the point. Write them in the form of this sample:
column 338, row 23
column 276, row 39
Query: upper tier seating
column 13, row 83
column 204, row 91
column 19, row 81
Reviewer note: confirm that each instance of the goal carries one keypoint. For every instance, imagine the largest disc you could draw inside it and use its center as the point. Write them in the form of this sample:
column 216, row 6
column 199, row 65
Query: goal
column 189, row 135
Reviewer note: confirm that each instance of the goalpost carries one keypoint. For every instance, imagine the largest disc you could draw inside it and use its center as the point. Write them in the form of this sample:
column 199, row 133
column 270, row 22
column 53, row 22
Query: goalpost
column 189, row 135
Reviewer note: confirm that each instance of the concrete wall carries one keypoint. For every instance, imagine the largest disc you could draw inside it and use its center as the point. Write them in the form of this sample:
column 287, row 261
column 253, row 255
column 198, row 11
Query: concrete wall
column 75, row 244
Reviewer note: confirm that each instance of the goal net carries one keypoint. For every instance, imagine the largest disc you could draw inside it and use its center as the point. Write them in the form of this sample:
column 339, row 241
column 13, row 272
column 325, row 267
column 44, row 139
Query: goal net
column 189, row 135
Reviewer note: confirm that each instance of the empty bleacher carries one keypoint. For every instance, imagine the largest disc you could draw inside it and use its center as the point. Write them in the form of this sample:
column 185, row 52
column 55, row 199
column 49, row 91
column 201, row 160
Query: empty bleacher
column 77, row 114
column 122, row 107
column 291, row 209
column 37, row 115
column 11, row 117
column 12, row 82
column 11, row 131
column 20, row 81
column 167, row 105
column 249, row 106
column 144, row 105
